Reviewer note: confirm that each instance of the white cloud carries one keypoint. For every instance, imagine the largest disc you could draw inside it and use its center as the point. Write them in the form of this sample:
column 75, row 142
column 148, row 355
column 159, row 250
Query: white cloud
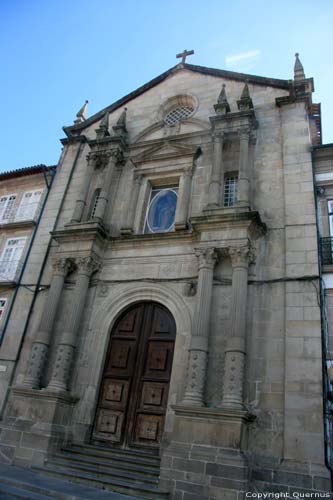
column 243, row 59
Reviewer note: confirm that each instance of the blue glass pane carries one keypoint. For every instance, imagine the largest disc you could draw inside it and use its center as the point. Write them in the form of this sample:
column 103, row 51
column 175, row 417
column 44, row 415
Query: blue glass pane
column 162, row 211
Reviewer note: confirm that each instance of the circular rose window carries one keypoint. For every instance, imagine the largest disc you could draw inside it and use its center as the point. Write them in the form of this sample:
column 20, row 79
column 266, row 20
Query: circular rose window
column 161, row 210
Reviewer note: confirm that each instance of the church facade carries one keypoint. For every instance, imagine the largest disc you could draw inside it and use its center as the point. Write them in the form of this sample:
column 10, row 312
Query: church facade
column 179, row 315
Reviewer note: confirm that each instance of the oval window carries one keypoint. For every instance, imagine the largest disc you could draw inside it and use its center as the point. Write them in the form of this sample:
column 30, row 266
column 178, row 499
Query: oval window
column 161, row 210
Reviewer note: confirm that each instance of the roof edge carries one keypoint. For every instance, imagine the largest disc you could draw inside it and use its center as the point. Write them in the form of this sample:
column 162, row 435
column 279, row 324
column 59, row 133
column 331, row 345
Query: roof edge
column 259, row 80
column 21, row 172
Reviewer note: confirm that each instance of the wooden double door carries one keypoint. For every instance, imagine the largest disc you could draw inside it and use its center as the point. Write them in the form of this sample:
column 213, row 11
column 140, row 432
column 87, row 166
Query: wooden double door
column 134, row 389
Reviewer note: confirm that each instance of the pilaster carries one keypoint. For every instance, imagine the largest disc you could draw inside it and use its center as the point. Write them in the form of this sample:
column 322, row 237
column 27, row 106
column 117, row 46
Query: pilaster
column 243, row 198
column 216, row 181
column 184, row 194
column 114, row 156
column 132, row 205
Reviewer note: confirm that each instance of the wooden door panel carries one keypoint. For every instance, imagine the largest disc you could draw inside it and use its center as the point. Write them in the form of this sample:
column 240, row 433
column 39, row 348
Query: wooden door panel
column 154, row 396
column 109, row 425
column 122, row 357
column 159, row 360
column 148, row 429
column 115, row 393
column 127, row 326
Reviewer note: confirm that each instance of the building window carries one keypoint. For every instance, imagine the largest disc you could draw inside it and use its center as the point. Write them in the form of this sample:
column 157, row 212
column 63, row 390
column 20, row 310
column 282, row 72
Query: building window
column 178, row 114
column 28, row 206
column 230, row 190
column 94, row 203
column 7, row 207
column 2, row 307
column 10, row 261
column 161, row 210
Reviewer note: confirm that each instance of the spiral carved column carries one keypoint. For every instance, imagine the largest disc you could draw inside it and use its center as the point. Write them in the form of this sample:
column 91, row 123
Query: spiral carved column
column 41, row 344
column 197, row 363
column 67, row 345
column 235, row 351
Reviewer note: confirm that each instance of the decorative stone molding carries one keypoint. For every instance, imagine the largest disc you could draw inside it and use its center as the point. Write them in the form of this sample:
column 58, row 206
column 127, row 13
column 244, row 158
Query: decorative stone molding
column 207, row 257
column 63, row 265
column 99, row 159
column 240, row 256
column 87, row 265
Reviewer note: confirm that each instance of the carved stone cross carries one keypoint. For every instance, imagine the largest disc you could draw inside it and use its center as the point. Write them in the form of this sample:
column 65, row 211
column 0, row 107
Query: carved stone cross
column 184, row 55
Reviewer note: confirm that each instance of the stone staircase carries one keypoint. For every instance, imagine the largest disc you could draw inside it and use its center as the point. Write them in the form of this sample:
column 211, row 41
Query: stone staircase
column 18, row 483
column 128, row 472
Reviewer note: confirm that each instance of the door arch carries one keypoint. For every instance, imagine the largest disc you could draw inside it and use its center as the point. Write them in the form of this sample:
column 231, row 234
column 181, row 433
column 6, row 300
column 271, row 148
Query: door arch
column 134, row 389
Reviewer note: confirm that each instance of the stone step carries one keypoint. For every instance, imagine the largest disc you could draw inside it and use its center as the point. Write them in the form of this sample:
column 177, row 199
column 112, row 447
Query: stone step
column 9, row 492
column 100, row 471
column 140, row 490
column 31, row 483
column 144, row 458
column 112, row 463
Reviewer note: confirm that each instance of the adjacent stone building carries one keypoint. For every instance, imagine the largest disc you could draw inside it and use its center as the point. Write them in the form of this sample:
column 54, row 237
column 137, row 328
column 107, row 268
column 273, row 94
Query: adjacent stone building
column 179, row 308
column 23, row 195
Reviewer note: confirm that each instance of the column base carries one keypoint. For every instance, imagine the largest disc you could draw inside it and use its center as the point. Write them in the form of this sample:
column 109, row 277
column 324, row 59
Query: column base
column 223, row 427
column 36, row 422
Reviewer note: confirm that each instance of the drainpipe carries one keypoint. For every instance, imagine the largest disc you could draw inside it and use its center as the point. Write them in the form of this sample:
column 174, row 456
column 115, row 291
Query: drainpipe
column 327, row 407
column 82, row 140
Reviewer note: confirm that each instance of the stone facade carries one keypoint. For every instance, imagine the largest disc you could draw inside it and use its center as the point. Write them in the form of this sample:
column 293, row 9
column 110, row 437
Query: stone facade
column 239, row 275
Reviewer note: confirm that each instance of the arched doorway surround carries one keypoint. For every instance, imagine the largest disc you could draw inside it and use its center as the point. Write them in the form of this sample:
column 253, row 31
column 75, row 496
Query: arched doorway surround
column 173, row 303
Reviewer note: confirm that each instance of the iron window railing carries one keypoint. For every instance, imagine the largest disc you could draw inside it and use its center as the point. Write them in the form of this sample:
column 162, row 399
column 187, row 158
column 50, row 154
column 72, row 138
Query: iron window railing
column 326, row 250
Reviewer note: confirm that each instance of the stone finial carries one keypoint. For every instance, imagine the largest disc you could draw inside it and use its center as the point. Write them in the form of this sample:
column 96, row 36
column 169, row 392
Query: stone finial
column 245, row 102
column 103, row 129
column 81, row 114
column 298, row 69
column 222, row 107
column 120, row 127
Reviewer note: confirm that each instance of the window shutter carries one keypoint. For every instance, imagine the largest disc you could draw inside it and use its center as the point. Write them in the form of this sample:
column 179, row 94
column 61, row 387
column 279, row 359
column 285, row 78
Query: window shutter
column 11, row 257
column 28, row 205
column 6, row 207
column 2, row 307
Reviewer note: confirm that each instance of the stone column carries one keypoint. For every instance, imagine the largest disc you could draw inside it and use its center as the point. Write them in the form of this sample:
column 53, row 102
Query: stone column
column 243, row 197
column 197, row 363
column 132, row 205
column 216, row 180
column 103, row 198
column 67, row 345
column 235, row 351
column 41, row 344
column 82, row 200
column 184, row 194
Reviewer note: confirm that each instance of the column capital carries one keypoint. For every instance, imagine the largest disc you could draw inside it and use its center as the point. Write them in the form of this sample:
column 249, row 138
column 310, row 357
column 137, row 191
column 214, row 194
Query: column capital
column 244, row 133
column 218, row 136
column 62, row 265
column 240, row 256
column 117, row 156
column 87, row 265
column 207, row 257
column 99, row 159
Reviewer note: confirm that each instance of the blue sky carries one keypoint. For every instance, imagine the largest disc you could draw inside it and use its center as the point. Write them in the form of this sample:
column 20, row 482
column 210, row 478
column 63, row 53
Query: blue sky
column 55, row 54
